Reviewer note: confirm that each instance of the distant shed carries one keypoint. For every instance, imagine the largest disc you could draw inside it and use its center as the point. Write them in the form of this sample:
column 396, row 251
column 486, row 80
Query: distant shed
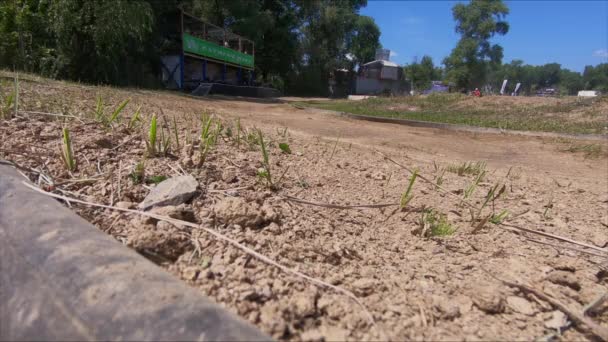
column 380, row 76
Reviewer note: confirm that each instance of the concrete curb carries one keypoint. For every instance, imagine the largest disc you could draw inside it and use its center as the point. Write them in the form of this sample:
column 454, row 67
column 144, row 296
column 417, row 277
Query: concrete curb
column 63, row 279
column 470, row 129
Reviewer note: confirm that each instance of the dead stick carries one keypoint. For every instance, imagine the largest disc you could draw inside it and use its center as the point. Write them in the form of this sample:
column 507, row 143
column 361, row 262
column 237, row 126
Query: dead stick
column 219, row 236
column 594, row 328
column 336, row 206
column 557, row 237
column 567, row 247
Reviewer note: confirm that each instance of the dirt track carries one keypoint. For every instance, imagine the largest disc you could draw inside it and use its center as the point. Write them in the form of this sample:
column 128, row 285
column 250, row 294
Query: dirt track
column 540, row 156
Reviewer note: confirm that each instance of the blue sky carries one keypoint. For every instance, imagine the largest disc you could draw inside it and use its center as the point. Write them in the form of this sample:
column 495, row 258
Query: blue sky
column 572, row 33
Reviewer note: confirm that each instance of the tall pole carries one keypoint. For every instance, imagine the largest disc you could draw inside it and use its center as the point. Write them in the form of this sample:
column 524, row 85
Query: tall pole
column 181, row 57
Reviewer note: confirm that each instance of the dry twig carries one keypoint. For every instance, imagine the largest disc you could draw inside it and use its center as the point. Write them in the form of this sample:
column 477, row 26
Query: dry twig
column 336, row 206
column 578, row 318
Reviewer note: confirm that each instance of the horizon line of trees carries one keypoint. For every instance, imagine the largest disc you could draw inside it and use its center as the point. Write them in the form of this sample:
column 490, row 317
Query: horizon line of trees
column 298, row 43
column 477, row 63
column 531, row 77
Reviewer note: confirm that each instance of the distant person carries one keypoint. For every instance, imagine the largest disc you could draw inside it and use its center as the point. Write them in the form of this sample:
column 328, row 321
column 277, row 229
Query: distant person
column 476, row 92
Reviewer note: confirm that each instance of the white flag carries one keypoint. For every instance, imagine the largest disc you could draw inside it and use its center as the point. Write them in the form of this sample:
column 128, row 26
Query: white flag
column 502, row 89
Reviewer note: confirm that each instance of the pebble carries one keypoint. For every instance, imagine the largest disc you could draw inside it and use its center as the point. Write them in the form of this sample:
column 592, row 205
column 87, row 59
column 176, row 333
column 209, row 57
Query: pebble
column 520, row 305
column 564, row 278
column 125, row 205
column 487, row 299
column 558, row 320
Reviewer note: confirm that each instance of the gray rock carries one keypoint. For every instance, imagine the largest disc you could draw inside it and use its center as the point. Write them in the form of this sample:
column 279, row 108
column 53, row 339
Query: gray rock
column 173, row 191
column 557, row 321
column 521, row 305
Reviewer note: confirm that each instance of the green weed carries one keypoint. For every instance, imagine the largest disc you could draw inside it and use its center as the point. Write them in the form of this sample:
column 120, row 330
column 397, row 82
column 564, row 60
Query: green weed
column 151, row 142
column 265, row 173
column 139, row 173
column 115, row 116
column 285, row 148
column 134, row 119
column 434, row 223
column 176, row 134
column 107, row 120
column 67, row 153
column 470, row 189
column 499, row 218
column 7, row 106
column 206, row 140
column 407, row 196
column 156, row 179
column 467, row 168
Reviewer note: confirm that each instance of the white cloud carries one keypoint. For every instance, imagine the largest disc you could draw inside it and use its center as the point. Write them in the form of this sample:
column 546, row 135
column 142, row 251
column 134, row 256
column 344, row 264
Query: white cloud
column 394, row 54
column 603, row 53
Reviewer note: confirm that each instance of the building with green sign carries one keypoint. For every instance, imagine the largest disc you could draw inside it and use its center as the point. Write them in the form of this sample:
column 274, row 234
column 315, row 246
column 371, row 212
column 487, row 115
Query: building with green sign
column 201, row 53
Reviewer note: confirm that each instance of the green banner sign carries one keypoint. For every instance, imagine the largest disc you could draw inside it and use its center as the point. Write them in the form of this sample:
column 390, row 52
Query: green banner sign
column 204, row 48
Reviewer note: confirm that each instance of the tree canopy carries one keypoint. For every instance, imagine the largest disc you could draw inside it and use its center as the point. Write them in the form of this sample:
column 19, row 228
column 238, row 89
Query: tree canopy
column 476, row 22
column 422, row 73
column 298, row 42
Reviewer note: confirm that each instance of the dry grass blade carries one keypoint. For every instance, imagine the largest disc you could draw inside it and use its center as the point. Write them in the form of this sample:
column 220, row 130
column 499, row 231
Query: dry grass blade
column 553, row 236
column 594, row 328
column 568, row 247
column 426, row 180
column 219, row 236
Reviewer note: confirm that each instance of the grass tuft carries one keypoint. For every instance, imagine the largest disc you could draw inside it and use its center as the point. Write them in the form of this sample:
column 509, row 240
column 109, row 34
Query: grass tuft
column 407, row 196
column 467, row 168
column 67, row 153
column 434, row 223
column 151, row 142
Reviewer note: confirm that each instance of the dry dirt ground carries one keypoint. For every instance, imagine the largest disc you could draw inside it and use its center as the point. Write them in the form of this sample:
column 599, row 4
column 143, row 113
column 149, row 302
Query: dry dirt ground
column 415, row 285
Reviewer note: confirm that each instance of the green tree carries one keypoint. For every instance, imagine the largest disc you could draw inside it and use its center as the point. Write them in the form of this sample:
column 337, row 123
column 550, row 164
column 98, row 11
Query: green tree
column 364, row 40
column 596, row 78
column 570, row 82
column 422, row 73
column 473, row 56
column 25, row 43
column 100, row 41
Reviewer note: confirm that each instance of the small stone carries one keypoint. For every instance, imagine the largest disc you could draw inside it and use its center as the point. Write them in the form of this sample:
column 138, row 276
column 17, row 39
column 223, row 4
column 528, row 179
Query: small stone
column 520, row 305
column 565, row 279
column 334, row 334
column 172, row 191
column 557, row 321
column 125, row 205
column 190, row 273
column 237, row 211
column 364, row 286
column 303, row 304
column 378, row 175
column 229, row 175
column 312, row 336
column 104, row 143
column 271, row 318
column 464, row 304
column 447, row 309
column 487, row 299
